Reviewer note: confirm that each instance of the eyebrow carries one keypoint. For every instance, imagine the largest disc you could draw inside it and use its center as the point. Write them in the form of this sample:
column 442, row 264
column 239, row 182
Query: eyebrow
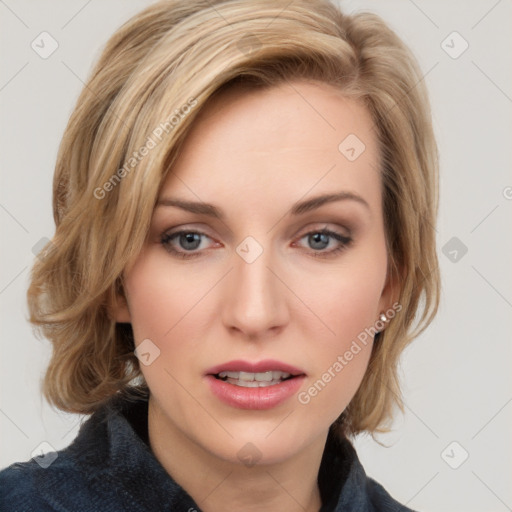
column 298, row 208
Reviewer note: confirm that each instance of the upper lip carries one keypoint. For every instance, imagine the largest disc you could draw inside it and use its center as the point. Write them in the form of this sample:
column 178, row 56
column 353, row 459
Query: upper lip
column 254, row 367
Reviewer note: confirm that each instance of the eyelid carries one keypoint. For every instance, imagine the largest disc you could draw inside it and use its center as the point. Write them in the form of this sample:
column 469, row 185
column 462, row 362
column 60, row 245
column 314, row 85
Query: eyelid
column 313, row 226
column 343, row 230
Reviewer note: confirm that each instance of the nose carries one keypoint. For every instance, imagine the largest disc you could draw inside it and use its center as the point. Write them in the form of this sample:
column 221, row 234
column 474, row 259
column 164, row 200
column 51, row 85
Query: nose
column 255, row 297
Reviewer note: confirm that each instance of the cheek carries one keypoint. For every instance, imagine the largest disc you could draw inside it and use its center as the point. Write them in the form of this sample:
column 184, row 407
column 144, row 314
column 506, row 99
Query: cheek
column 159, row 299
column 329, row 392
column 348, row 307
column 339, row 356
column 344, row 305
column 171, row 309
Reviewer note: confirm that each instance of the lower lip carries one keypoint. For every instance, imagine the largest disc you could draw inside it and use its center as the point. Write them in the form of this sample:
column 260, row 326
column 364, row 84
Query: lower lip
column 254, row 398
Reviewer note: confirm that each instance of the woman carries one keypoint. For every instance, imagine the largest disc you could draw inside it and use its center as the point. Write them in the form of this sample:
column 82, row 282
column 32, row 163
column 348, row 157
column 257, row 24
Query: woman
column 245, row 200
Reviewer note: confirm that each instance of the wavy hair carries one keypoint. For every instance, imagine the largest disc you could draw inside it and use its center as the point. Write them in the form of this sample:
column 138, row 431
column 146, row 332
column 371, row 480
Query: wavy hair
column 157, row 72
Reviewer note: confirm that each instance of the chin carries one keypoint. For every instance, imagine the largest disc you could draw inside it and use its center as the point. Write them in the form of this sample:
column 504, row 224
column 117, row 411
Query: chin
column 264, row 445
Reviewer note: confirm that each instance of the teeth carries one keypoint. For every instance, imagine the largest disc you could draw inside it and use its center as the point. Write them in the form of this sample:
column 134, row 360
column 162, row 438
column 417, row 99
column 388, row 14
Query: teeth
column 259, row 377
column 231, row 375
column 249, row 377
column 254, row 380
column 264, row 376
column 247, row 383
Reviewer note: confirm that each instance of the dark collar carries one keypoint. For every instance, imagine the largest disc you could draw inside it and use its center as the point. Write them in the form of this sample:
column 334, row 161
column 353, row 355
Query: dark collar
column 110, row 462
column 337, row 458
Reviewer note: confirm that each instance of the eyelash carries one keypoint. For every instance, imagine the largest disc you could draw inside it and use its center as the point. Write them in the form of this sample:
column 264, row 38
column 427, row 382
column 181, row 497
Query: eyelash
column 345, row 242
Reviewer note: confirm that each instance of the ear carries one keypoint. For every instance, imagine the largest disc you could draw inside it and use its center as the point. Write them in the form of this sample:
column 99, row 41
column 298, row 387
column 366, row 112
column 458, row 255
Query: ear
column 390, row 293
column 118, row 308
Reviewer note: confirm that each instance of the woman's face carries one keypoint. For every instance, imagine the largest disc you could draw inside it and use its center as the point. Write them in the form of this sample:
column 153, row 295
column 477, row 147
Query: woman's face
column 257, row 287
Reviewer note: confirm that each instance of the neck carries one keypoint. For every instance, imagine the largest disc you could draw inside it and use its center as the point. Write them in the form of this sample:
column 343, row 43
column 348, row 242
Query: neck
column 217, row 484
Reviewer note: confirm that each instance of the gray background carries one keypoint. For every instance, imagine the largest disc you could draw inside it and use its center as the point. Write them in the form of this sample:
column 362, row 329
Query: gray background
column 456, row 376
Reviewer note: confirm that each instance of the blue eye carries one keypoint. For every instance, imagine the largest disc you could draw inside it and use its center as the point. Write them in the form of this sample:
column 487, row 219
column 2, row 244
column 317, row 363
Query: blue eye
column 320, row 239
column 189, row 242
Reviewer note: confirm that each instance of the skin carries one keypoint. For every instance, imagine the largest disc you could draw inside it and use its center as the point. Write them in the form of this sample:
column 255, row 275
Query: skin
column 254, row 153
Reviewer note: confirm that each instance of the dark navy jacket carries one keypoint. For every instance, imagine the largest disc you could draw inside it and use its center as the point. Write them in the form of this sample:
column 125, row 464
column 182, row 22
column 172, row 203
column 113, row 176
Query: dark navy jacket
column 109, row 467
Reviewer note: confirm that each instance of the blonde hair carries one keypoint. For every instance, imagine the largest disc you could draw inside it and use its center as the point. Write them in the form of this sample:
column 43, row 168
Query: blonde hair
column 155, row 75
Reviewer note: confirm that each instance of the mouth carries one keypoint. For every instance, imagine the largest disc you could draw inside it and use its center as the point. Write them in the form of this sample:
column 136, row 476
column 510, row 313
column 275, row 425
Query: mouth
column 253, row 375
column 261, row 385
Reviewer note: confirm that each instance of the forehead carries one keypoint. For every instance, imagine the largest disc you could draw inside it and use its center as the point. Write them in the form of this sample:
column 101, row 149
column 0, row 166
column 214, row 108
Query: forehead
column 276, row 143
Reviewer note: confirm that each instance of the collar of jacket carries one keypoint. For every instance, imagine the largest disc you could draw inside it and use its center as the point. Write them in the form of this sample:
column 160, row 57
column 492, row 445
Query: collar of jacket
column 110, row 467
